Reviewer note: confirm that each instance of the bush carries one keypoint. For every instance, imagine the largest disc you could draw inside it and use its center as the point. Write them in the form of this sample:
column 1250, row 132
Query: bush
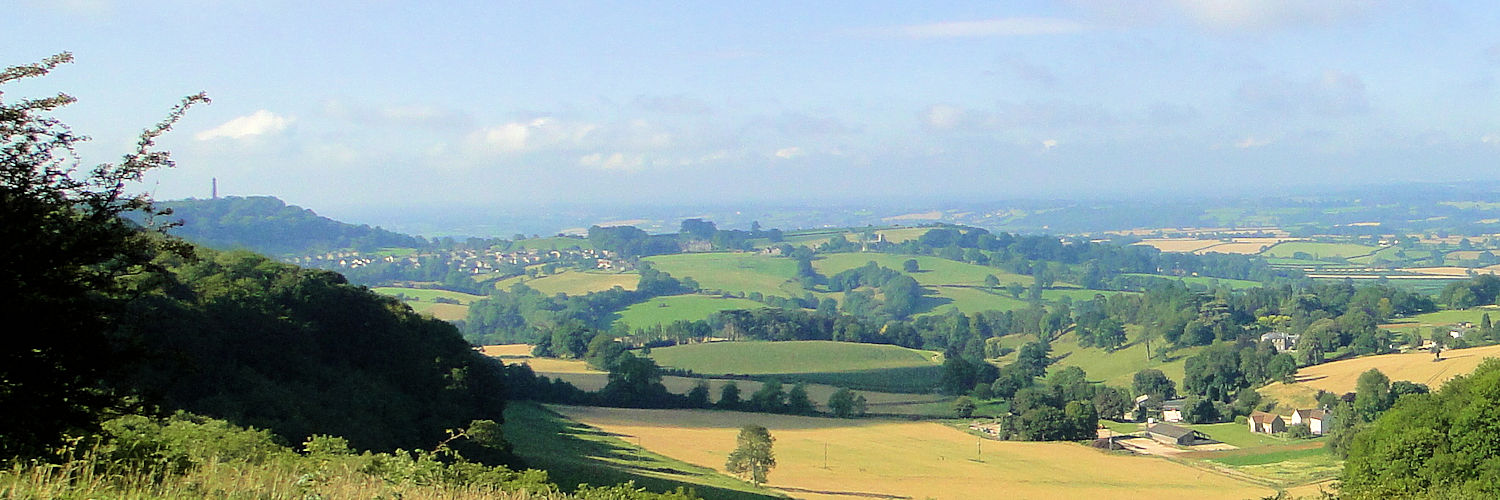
column 1299, row 431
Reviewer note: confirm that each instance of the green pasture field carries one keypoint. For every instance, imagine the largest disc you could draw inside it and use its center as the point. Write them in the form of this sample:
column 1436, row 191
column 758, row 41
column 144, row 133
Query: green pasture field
column 771, row 358
column 665, row 310
column 1076, row 294
column 1239, row 435
column 572, row 282
column 1290, row 262
column 1450, row 317
column 844, row 364
column 426, row 294
column 930, row 270
column 734, row 272
column 1116, row 368
column 574, row 453
column 1271, row 454
column 1344, row 250
column 968, row 301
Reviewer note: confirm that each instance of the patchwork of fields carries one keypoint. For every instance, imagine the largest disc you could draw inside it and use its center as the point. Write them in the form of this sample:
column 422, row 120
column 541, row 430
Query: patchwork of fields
column 894, row 459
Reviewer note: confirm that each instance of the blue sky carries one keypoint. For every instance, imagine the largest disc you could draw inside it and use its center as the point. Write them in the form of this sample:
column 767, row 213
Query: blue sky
column 349, row 104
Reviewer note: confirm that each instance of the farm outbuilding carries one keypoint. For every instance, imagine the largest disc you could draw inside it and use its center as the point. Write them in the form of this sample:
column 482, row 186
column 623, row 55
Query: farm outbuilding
column 1171, row 434
column 1316, row 420
column 1266, row 423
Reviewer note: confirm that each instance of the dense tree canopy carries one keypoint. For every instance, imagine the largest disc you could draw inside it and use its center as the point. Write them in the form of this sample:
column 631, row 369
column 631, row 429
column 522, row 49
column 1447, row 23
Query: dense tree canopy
column 64, row 250
column 1432, row 445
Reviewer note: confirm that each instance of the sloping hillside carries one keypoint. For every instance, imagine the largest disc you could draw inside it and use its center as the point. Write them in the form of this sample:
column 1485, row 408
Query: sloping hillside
column 267, row 225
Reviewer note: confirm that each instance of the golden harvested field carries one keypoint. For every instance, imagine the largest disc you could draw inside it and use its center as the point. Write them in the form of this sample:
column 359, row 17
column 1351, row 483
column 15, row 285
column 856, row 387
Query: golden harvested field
column 550, row 366
column 1339, row 376
column 445, row 312
column 889, row 458
column 1454, row 271
column 507, row 350
column 1181, row 245
column 1237, row 247
column 574, row 282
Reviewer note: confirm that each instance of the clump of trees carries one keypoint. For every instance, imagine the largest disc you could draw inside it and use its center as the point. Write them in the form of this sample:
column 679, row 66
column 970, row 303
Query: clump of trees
column 1437, row 444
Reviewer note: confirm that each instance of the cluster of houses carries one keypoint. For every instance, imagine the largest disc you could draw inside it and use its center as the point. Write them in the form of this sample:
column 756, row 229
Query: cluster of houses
column 1259, row 422
column 467, row 261
column 1316, row 421
column 1164, row 431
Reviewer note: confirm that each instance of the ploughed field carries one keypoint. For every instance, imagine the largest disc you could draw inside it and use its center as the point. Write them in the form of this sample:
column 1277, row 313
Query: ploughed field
column 877, row 458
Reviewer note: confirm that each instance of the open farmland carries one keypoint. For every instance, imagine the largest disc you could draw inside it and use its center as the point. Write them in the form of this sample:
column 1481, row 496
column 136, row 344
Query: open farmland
column 1117, row 368
column 846, row 364
column 573, row 453
column 811, row 356
column 426, row 294
column 896, row 459
column 734, row 272
column 421, row 301
column 1339, row 376
column 507, row 350
column 1319, row 250
column 931, row 270
column 581, row 376
column 969, row 301
column 574, row 282
column 1179, row 245
column 664, row 310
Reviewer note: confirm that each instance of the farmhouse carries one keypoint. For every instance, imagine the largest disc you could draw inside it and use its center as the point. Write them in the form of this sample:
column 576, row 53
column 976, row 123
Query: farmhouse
column 1266, row 423
column 1282, row 341
column 1316, row 420
column 1171, row 434
column 1171, row 411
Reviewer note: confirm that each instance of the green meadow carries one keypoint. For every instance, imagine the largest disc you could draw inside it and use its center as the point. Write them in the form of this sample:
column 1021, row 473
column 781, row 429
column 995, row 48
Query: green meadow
column 664, row 310
column 734, row 272
column 844, row 364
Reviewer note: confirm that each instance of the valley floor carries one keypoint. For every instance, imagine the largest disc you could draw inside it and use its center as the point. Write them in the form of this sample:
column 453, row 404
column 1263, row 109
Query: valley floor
column 821, row 458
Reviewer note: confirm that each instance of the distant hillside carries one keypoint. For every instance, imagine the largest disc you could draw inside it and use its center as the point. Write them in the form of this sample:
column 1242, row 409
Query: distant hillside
column 267, row 225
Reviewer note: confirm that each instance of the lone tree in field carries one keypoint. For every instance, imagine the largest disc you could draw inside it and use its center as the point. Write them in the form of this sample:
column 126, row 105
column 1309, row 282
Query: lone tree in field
column 752, row 458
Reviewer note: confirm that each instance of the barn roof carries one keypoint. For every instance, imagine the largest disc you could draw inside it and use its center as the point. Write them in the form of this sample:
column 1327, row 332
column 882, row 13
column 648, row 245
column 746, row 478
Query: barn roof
column 1170, row 430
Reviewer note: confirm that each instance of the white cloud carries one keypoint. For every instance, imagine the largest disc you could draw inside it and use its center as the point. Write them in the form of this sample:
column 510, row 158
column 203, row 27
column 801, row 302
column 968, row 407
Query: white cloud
column 540, row 133
column 1048, row 144
column 616, row 161
column 1251, row 142
column 943, row 116
column 1242, row 15
column 1490, row 139
column 1014, row 26
column 258, row 123
column 789, row 153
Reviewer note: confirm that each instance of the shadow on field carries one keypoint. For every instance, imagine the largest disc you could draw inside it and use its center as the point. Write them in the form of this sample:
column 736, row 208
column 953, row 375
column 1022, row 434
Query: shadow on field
column 574, row 454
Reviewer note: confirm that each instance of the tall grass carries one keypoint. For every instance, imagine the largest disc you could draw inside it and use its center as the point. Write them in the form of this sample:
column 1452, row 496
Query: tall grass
column 195, row 458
